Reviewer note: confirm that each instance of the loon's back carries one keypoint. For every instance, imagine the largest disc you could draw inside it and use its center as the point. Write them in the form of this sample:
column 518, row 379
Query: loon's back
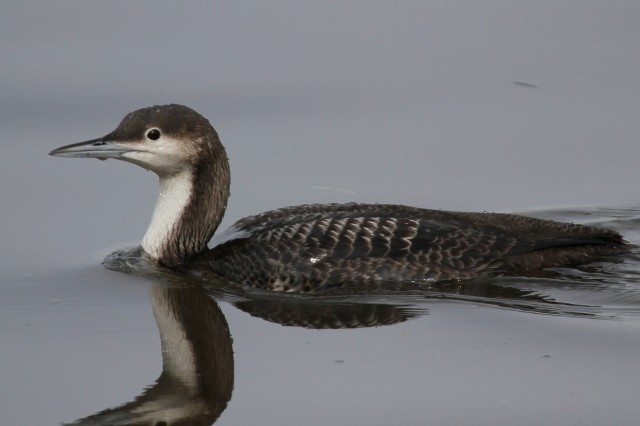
column 313, row 247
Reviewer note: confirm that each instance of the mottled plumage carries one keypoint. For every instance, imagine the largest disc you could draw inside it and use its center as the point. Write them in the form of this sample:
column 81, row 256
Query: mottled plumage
column 317, row 247
column 311, row 247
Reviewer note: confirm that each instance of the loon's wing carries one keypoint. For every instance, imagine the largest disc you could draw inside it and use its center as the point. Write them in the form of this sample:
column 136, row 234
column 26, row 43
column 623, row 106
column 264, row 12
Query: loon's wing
column 313, row 246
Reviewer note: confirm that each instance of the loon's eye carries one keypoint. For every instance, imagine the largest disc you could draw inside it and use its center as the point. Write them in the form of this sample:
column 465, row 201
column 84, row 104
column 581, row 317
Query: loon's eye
column 153, row 134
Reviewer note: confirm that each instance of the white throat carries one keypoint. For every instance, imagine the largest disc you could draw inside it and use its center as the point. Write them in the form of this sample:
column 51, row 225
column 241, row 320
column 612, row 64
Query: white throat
column 175, row 192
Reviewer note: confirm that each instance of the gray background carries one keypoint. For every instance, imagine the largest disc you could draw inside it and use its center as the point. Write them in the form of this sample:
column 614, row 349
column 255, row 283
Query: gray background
column 413, row 102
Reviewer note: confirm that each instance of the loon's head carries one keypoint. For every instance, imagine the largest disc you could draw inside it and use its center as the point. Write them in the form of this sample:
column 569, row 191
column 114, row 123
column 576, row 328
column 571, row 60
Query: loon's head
column 165, row 139
column 183, row 149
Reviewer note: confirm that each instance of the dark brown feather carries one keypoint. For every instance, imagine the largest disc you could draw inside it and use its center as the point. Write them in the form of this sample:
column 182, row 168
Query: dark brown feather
column 315, row 247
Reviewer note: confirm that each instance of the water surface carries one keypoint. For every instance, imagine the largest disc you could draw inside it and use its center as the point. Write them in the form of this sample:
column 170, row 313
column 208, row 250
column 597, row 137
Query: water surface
column 93, row 346
column 521, row 107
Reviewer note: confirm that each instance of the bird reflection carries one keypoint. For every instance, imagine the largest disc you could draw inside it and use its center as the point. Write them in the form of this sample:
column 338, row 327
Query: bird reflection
column 197, row 356
column 327, row 314
column 197, row 364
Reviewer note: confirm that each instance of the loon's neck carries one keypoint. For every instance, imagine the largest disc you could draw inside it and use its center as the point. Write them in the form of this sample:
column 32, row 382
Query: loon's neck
column 189, row 208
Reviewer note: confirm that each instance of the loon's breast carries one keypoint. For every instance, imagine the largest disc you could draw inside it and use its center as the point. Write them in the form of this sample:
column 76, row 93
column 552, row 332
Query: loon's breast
column 314, row 247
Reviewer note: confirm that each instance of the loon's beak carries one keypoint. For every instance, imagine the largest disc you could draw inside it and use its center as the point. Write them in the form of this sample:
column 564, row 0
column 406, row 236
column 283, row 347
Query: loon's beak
column 95, row 148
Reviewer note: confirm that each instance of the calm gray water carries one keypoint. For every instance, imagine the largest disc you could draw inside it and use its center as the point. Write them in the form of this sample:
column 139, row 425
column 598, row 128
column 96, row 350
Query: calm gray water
column 498, row 106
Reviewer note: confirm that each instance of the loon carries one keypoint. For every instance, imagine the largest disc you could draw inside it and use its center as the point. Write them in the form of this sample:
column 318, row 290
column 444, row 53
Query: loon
column 316, row 247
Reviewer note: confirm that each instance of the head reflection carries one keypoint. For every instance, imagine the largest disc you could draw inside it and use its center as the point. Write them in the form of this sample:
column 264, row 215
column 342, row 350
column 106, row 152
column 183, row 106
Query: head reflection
column 197, row 364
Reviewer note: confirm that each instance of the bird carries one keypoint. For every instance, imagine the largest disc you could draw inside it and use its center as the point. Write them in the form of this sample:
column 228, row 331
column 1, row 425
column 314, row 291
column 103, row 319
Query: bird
column 315, row 248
